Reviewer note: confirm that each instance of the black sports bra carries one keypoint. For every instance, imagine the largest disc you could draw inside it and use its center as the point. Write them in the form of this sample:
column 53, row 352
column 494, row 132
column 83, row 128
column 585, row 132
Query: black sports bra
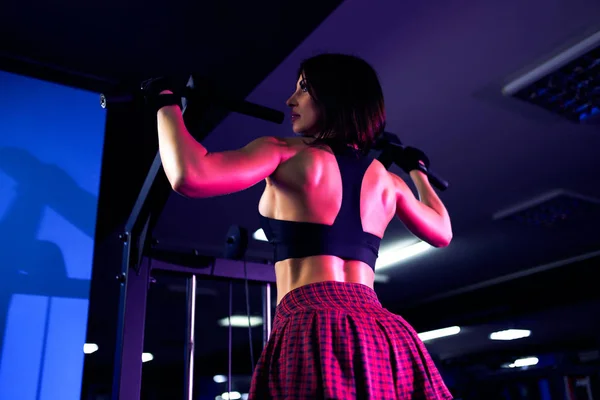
column 345, row 238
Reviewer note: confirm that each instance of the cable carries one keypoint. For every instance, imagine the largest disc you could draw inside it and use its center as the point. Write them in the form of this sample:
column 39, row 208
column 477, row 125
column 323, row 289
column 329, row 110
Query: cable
column 248, row 313
column 230, row 335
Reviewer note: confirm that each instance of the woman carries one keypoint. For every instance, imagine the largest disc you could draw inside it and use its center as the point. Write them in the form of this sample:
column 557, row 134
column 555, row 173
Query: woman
column 325, row 208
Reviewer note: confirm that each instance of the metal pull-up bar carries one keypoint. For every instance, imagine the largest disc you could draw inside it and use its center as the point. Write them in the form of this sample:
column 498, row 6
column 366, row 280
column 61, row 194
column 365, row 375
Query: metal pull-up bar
column 137, row 262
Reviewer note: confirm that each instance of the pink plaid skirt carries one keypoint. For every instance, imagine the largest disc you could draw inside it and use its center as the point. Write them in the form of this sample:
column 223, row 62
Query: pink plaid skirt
column 334, row 340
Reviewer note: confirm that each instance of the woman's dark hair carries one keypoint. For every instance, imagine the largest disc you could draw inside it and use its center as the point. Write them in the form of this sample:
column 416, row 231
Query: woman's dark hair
column 347, row 91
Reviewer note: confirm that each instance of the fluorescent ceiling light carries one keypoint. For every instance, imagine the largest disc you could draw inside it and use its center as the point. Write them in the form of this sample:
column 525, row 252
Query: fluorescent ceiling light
column 510, row 334
column 522, row 362
column 240, row 321
column 147, row 357
column 220, row 378
column 438, row 333
column 260, row 235
column 395, row 254
column 230, row 396
column 89, row 348
column 526, row 362
column 380, row 278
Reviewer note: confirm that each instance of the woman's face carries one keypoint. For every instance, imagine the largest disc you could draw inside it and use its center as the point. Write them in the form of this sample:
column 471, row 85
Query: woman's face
column 305, row 113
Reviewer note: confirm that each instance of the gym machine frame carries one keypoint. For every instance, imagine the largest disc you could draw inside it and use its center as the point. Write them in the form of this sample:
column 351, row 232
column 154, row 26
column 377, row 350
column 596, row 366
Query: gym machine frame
column 137, row 265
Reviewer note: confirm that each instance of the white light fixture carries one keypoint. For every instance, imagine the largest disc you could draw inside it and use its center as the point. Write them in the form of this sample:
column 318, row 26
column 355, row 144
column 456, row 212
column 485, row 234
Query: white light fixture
column 260, row 235
column 526, row 362
column 89, row 348
column 147, row 357
column 220, row 378
column 510, row 334
column 230, row 396
column 522, row 362
column 438, row 333
column 241, row 321
column 245, row 396
column 394, row 254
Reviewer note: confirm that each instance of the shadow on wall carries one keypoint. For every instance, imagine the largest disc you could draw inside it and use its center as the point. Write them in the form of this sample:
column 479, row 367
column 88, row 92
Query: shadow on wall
column 46, row 233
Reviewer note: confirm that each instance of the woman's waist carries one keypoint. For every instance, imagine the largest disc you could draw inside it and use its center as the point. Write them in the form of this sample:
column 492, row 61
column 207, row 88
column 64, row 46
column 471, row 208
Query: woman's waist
column 351, row 280
column 294, row 273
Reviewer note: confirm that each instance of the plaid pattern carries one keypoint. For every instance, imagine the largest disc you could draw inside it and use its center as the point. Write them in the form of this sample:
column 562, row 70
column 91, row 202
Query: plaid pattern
column 334, row 340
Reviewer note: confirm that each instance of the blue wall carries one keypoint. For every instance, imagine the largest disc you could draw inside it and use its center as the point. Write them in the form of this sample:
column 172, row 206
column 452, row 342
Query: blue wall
column 51, row 140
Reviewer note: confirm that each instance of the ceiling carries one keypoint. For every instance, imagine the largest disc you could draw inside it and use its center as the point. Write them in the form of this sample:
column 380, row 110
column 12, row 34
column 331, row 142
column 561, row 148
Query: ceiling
column 442, row 68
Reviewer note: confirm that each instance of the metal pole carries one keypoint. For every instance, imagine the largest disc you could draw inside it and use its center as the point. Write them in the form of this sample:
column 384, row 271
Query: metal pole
column 127, row 382
column 189, row 348
column 266, row 313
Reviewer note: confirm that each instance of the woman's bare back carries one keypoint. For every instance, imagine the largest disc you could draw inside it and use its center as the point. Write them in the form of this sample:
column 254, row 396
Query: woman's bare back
column 307, row 187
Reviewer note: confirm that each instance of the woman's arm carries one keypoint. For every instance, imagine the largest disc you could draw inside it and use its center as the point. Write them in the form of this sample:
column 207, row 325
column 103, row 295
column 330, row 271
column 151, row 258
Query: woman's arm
column 428, row 219
column 195, row 172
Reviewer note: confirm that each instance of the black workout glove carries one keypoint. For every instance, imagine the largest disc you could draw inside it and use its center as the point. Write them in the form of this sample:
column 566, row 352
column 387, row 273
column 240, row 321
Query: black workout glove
column 154, row 100
column 410, row 159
